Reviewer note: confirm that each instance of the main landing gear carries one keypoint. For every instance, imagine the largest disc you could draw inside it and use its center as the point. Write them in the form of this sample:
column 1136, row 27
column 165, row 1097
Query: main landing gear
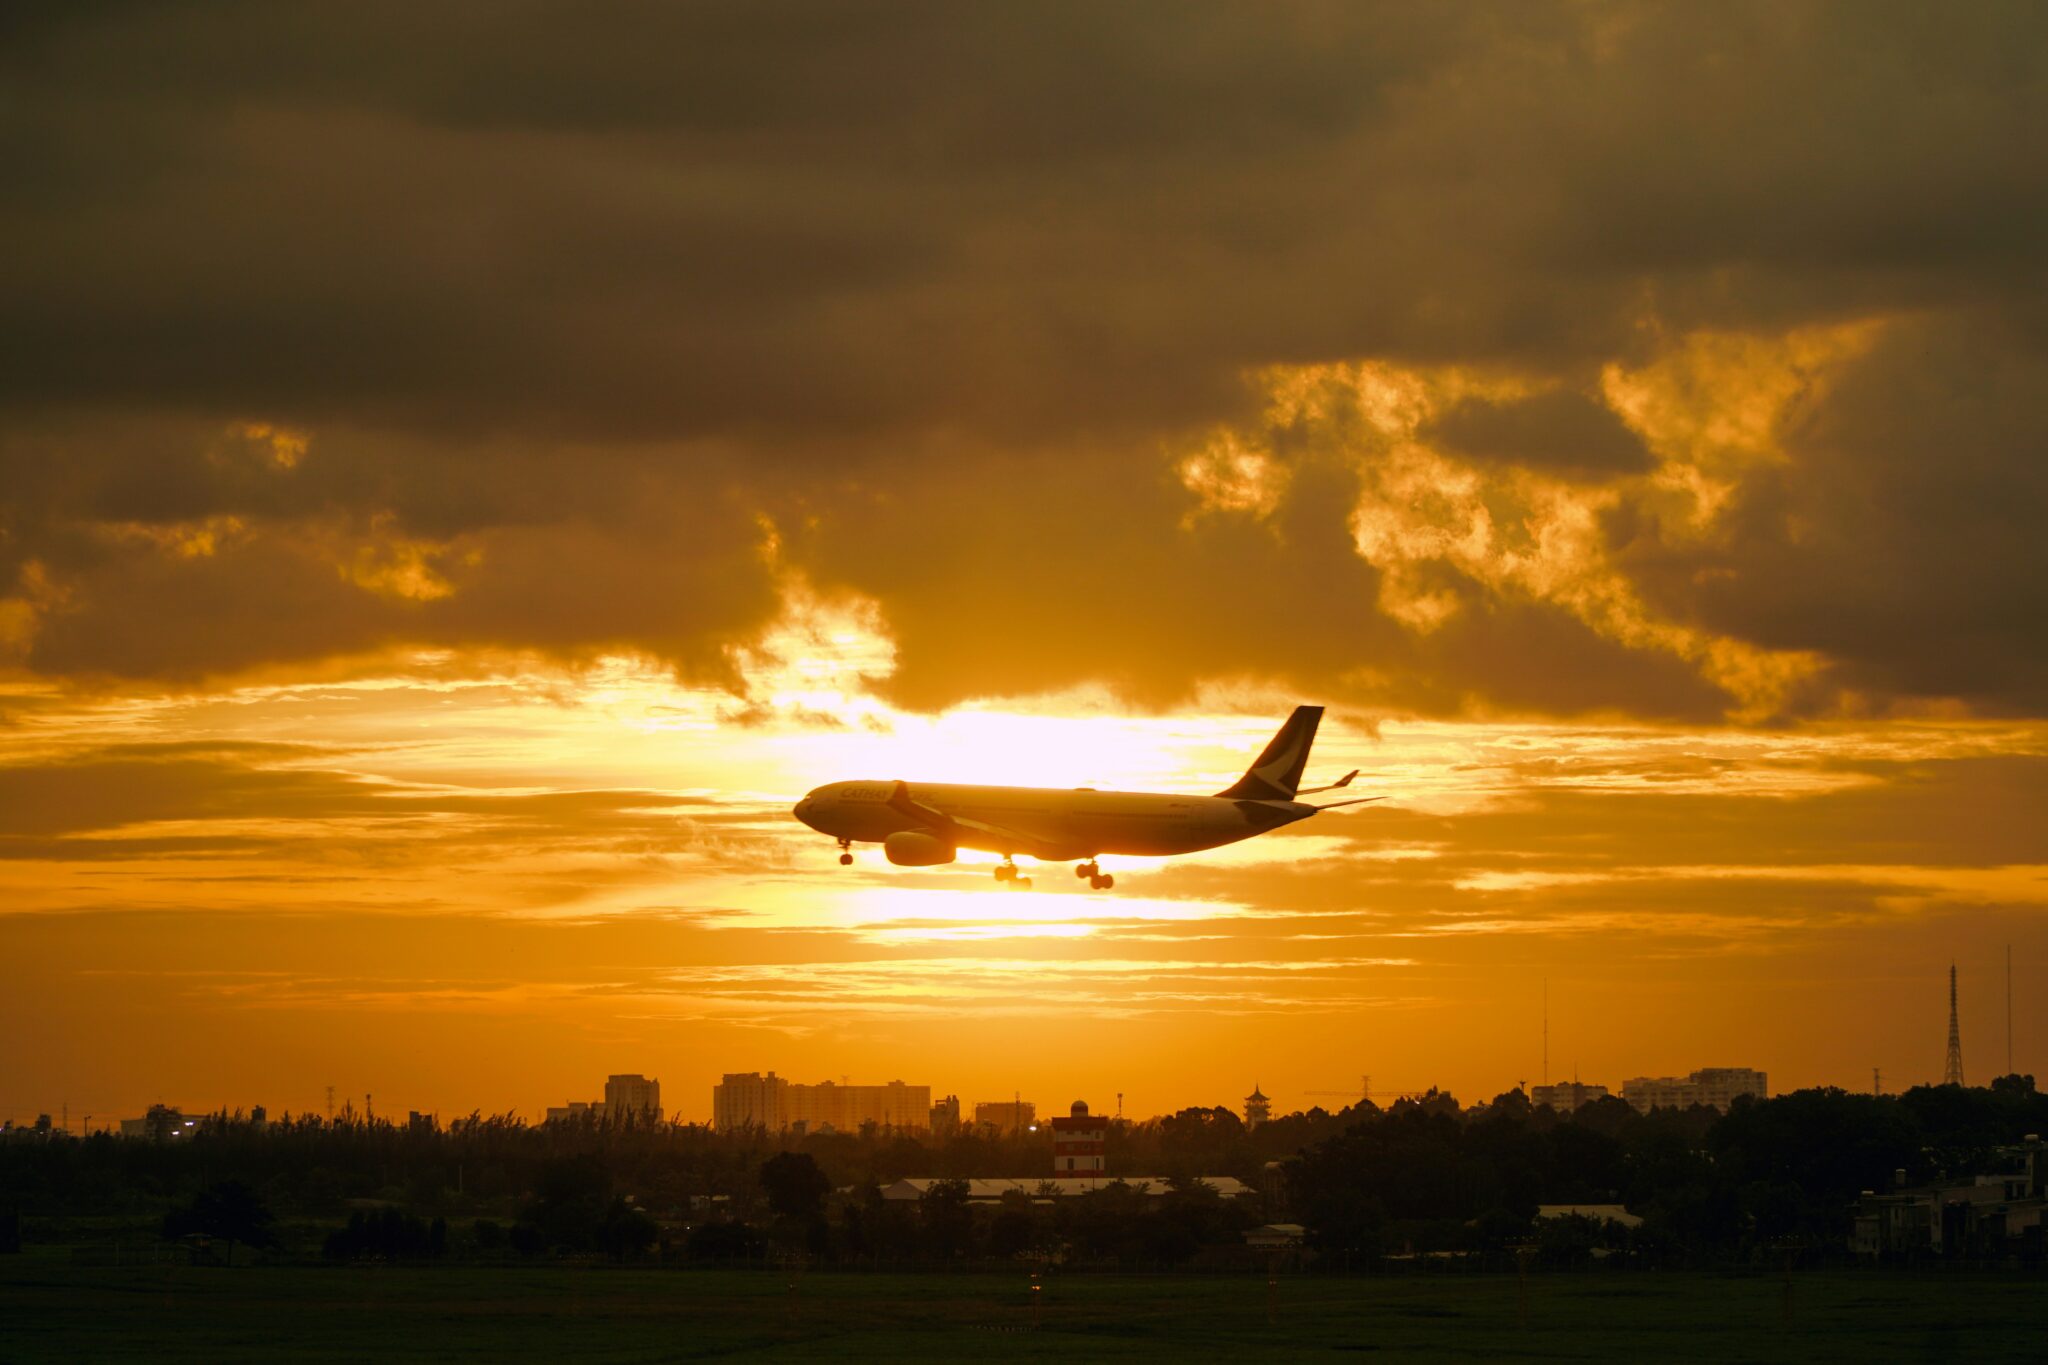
column 1007, row 871
column 1097, row 878
column 846, row 853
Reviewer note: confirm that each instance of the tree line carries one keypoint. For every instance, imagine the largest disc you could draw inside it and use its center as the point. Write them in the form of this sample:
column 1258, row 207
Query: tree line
column 1422, row 1176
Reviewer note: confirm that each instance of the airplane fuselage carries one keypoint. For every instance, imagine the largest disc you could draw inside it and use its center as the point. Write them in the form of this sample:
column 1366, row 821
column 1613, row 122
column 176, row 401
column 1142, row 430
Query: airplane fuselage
column 927, row 824
column 1050, row 823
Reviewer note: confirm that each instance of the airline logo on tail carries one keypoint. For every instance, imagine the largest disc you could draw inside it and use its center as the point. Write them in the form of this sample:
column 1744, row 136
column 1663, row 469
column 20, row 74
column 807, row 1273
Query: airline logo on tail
column 1276, row 776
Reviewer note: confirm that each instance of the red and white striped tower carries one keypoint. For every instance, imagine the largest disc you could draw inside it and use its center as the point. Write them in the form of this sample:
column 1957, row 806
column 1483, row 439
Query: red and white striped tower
column 1078, row 1142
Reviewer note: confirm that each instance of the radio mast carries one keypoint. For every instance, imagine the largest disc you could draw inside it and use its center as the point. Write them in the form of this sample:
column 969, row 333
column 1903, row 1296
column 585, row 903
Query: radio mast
column 1952, row 1074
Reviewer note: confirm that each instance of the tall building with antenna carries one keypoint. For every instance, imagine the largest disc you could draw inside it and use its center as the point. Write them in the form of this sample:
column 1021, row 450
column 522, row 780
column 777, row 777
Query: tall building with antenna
column 1952, row 1073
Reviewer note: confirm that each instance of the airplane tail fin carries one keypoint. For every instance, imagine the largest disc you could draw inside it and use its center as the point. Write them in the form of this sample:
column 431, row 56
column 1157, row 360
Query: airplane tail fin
column 1276, row 776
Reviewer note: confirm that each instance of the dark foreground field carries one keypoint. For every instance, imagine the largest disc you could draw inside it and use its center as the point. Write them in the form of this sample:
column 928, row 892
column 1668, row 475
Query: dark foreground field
column 52, row 1311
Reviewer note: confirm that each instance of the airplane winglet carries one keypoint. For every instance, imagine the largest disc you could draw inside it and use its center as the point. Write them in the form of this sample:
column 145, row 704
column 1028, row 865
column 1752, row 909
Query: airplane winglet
column 1343, row 781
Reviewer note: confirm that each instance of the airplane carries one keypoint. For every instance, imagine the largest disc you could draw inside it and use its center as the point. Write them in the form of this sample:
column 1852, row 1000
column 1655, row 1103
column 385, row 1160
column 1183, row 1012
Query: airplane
column 926, row 825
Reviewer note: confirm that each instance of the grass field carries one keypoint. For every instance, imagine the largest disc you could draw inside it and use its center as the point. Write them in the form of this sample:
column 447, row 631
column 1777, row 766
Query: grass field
column 53, row 1311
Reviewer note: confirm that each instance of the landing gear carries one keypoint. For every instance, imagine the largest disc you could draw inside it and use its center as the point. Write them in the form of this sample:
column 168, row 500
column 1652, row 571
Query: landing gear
column 846, row 853
column 1097, row 878
column 1006, row 871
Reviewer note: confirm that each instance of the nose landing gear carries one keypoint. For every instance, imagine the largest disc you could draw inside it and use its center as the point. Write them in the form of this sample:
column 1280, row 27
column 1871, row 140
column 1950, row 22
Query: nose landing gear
column 1007, row 871
column 1097, row 878
column 846, row 853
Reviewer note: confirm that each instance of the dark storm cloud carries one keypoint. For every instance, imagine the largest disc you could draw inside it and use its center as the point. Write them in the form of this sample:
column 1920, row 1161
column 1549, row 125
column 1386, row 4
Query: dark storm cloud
column 570, row 297
column 671, row 218
column 1087, row 571
column 1904, row 536
column 180, row 549
column 650, row 218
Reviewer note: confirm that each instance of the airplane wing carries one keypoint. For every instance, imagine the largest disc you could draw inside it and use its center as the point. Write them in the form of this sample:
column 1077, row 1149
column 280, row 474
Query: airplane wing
column 971, row 833
column 1354, row 801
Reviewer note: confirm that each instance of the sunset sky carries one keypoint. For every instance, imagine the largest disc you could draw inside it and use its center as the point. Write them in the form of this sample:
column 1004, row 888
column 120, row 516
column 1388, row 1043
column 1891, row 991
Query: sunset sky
column 467, row 468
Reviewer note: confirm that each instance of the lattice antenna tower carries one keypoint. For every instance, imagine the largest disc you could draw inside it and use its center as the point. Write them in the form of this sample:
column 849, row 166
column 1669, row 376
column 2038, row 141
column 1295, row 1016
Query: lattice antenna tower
column 1952, row 1073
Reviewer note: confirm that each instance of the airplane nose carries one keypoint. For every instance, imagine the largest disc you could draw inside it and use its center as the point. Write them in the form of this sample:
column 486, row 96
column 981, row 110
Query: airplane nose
column 802, row 811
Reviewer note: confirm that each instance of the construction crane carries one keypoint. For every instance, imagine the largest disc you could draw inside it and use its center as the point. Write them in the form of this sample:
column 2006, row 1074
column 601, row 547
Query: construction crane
column 1364, row 1092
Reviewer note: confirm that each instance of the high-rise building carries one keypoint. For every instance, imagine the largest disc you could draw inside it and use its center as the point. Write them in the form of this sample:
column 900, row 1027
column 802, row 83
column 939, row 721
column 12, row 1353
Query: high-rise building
column 1566, row 1096
column 627, row 1099
column 946, row 1116
column 1257, row 1108
column 1006, row 1116
column 751, row 1100
column 1715, row 1086
column 161, row 1124
column 573, row 1110
column 1079, row 1142
column 632, row 1098
column 848, row 1108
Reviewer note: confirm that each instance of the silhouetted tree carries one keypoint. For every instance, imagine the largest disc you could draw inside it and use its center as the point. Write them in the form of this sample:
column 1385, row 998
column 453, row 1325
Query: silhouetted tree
column 948, row 1219
column 1799, row 1161
column 1016, row 1226
column 569, row 1204
column 1188, row 1218
column 878, row 1227
column 229, row 1211
column 386, row 1234
column 795, row 1186
column 1105, row 1223
column 796, row 1190
column 1421, row 1173
column 626, row 1231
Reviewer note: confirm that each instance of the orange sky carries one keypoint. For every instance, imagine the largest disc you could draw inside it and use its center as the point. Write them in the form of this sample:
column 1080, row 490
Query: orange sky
column 489, row 892
column 455, row 497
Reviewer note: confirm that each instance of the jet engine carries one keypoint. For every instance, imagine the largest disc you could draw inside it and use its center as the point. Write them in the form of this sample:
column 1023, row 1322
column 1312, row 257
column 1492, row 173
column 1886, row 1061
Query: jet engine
column 914, row 848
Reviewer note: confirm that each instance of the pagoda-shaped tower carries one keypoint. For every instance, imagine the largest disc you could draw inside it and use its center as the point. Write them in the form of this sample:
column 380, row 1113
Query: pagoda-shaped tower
column 1257, row 1108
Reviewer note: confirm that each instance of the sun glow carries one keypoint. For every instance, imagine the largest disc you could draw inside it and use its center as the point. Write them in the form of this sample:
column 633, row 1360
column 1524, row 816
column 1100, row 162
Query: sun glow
column 612, row 801
column 450, row 789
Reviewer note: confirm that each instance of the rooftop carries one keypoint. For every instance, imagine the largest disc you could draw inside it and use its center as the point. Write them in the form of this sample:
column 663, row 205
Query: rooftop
column 991, row 1189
